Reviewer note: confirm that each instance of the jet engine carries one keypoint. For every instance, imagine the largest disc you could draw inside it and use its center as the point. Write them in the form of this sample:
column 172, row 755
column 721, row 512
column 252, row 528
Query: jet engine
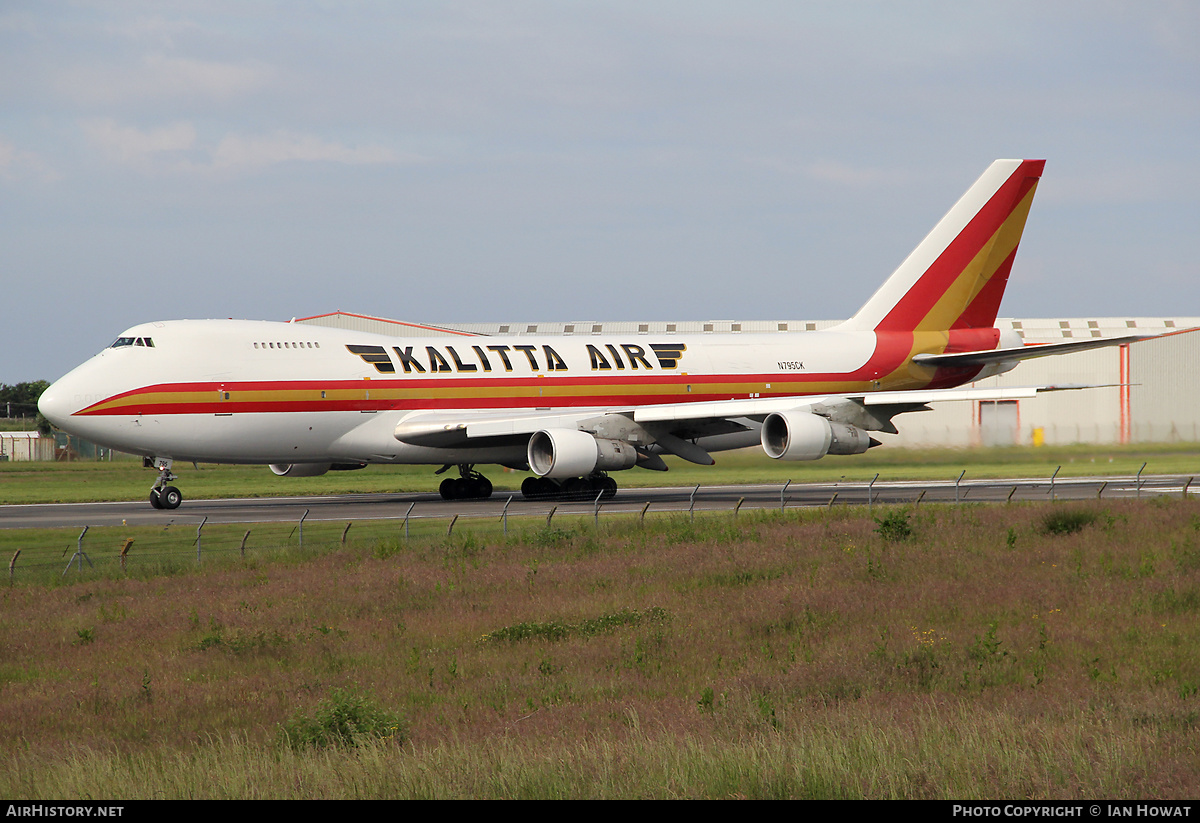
column 800, row 435
column 562, row 453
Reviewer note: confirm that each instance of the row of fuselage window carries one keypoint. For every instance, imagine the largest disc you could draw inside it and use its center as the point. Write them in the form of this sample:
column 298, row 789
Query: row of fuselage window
column 287, row 345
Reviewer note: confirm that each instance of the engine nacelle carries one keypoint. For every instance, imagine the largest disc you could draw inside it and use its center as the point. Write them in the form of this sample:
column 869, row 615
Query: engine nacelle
column 563, row 453
column 300, row 469
column 800, row 435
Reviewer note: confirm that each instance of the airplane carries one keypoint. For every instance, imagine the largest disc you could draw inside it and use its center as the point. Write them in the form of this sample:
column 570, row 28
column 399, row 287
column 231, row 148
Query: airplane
column 570, row 409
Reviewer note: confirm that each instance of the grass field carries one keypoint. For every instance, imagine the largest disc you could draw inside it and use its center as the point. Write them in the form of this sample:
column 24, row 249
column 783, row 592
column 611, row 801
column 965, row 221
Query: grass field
column 1019, row 651
column 127, row 480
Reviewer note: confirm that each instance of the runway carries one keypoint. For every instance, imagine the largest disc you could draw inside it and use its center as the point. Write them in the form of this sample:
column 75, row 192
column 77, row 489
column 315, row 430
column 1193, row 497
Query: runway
column 357, row 507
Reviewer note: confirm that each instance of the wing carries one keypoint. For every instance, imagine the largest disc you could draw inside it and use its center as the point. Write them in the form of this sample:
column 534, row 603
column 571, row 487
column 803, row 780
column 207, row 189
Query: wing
column 690, row 430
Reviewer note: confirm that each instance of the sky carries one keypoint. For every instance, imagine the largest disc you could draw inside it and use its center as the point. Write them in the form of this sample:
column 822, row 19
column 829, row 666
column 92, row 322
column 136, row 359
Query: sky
column 581, row 161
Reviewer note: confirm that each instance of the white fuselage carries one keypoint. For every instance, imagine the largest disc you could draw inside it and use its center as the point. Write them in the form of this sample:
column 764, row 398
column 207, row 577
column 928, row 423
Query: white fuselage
column 263, row 392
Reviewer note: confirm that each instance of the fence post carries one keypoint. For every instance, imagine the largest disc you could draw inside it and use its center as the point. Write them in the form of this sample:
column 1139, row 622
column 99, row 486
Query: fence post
column 1185, row 486
column 1102, row 488
column 642, row 517
column 692, row 502
column 871, row 491
column 781, row 493
column 450, row 528
column 245, row 537
column 198, row 528
column 406, row 514
column 1139, row 481
column 504, row 514
column 12, row 565
column 738, row 507
column 1052, row 494
column 80, row 554
column 553, row 509
column 125, row 551
column 302, row 527
column 346, row 531
column 596, row 511
column 956, row 483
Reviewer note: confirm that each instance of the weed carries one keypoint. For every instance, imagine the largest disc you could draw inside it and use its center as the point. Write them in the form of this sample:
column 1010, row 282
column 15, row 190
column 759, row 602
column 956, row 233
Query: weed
column 987, row 647
column 552, row 537
column 1067, row 521
column 557, row 630
column 1172, row 601
column 386, row 548
column 766, row 711
column 894, row 527
column 346, row 718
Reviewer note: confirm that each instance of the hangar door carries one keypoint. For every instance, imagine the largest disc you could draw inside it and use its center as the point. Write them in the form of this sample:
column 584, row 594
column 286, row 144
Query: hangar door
column 999, row 422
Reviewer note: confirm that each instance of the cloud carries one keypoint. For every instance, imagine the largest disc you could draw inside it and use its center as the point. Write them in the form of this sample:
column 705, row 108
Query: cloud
column 17, row 163
column 133, row 146
column 160, row 77
column 236, row 151
column 175, row 147
column 846, row 174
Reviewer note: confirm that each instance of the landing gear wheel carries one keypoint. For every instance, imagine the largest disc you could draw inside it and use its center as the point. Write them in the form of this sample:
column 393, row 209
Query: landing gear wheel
column 169, row 497
column 610, row 488
column 577, row 488
column 471, row 485
column 162, row 494
column 479, row 487
column 539, row 488
column 450, row 488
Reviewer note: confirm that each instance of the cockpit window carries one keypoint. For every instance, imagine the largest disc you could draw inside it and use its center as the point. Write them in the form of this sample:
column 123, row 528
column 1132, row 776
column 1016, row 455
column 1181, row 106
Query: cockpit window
column 132, row 341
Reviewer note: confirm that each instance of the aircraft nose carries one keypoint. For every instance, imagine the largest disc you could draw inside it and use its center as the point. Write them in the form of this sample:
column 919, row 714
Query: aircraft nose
column 55, row 404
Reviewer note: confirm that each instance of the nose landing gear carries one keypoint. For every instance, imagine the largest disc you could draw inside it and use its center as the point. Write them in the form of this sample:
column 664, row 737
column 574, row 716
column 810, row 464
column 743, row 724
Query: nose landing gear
column 162, row 494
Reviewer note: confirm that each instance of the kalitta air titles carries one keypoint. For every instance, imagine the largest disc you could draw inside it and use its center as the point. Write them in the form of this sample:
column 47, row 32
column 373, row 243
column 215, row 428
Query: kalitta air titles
column 502, row 357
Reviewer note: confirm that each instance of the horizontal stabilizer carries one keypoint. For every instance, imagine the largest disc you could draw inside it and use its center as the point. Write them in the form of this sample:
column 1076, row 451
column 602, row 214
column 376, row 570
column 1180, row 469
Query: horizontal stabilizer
column 984, row 358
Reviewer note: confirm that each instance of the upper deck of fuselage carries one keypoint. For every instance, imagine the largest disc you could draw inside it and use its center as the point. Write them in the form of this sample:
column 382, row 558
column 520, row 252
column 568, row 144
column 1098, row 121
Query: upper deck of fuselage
column 182, row 350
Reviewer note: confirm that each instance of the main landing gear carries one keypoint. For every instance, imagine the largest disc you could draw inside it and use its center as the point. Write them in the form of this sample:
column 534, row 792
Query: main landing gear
column 573, row 488
column 469, row 485
column 163, row 495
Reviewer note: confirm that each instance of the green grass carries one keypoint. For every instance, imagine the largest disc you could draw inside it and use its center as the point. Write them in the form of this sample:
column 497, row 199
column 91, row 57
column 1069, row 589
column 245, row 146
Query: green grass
column 127, row 480
column 797, row 655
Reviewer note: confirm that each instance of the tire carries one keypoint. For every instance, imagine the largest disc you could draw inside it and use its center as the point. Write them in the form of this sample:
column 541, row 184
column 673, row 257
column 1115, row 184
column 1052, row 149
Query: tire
column 154, row 501
column 480, row 487
column 170, row 497
column 451, row 488
column 539, row 488
column 531, row 488
column 610, row 488
column 577, row 488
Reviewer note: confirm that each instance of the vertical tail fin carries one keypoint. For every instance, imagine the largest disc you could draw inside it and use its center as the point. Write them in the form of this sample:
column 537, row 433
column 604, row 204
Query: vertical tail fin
column 955, row 278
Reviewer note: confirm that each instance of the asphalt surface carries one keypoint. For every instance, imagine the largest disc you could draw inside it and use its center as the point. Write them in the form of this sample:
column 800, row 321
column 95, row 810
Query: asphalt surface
column 357, row 507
